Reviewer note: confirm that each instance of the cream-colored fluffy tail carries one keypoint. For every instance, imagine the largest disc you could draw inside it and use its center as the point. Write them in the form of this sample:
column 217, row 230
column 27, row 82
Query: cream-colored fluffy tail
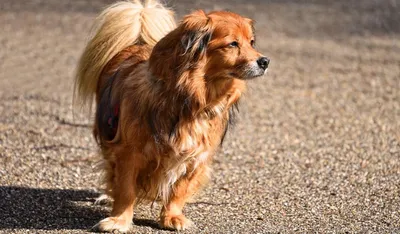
column 117, row 27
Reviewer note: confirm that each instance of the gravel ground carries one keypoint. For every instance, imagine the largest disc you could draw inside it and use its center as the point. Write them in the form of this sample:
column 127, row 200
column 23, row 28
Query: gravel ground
column 316, row 149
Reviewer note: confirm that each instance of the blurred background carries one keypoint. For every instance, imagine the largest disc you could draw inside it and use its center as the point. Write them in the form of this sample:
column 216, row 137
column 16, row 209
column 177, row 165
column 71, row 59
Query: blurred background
column 316, row 147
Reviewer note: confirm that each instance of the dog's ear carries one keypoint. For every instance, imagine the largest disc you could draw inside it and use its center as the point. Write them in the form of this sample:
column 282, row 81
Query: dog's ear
column 251, row 23
column 196, row 34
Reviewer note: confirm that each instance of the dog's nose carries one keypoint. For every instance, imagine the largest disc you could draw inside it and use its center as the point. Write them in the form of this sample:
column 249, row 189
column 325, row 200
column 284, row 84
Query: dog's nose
column 263, row 62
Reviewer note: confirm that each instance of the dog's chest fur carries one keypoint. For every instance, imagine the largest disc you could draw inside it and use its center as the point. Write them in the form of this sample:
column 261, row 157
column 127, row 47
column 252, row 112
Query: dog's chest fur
column 193, row 145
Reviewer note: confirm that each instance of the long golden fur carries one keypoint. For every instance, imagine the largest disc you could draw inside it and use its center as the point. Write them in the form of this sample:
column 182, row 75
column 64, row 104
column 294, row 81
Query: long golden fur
column 164, row 95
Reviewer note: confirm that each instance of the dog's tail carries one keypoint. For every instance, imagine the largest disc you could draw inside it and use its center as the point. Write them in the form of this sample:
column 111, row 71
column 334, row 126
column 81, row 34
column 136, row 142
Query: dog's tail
column 120, row 25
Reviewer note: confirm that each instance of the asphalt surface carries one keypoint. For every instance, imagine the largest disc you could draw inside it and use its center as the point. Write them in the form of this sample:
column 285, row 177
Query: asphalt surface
column 316, row 147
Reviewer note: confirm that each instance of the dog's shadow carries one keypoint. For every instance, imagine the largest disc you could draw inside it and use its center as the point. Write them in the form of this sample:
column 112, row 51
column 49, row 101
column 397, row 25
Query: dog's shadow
column 53, row 209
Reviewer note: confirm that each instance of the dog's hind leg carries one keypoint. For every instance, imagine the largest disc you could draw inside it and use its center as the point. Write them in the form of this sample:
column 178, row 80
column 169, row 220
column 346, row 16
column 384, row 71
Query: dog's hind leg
column 124, row 193
column 171, row 216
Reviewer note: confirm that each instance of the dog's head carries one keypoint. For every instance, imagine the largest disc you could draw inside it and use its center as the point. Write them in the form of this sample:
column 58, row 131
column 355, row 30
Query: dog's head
column 225, row 41
column 221, row 43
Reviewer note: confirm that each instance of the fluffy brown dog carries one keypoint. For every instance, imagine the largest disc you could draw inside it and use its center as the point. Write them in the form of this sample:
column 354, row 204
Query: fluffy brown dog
column 165, row 95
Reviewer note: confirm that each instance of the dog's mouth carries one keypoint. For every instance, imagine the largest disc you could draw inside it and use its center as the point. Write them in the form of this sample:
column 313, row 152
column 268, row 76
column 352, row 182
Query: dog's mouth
column 255, row 74
column 249, row 72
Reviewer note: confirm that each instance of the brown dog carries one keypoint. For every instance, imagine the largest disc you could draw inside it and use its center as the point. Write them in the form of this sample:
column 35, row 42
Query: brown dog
column 164, row 96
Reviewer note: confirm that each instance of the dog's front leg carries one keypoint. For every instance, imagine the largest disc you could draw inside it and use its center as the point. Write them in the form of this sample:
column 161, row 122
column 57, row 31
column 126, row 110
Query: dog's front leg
column 171, row 214
column 124, row 193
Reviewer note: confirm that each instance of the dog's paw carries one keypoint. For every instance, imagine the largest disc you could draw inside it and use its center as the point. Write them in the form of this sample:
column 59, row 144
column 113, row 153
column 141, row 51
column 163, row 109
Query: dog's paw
column 176, row 222
column 103, row 199
column 113, row 224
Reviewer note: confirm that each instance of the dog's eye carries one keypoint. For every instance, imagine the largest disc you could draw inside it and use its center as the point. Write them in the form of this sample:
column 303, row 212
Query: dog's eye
column 252, row 43
column 234, row 44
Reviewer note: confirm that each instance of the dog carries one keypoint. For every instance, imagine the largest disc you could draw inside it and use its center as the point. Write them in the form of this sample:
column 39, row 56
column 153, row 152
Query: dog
column 165, row 95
